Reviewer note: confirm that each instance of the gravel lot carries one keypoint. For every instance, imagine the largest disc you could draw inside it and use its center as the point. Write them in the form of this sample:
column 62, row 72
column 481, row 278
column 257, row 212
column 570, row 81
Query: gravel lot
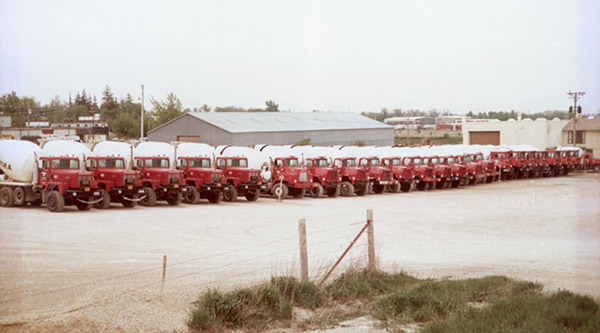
column 102, row 270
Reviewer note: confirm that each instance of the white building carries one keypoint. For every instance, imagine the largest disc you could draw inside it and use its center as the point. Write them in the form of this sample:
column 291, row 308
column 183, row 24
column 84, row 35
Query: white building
column 540, row 133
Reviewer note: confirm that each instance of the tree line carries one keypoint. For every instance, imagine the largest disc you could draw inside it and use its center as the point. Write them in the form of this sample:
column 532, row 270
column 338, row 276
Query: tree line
column 121, row 114
column 433, row 113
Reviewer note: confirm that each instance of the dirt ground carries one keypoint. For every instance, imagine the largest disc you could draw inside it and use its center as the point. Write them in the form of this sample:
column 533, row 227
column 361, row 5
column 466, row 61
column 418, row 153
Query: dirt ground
column 102, row 270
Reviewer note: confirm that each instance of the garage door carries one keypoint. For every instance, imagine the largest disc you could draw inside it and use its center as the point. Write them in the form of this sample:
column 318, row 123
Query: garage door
column 484, row 138
column 188, row 138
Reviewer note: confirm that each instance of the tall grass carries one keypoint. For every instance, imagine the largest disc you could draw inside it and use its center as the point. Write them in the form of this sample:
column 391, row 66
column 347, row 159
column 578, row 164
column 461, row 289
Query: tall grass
column 489, row 304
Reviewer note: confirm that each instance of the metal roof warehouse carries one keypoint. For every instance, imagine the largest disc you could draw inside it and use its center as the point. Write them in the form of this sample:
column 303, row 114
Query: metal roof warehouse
column 251, row 128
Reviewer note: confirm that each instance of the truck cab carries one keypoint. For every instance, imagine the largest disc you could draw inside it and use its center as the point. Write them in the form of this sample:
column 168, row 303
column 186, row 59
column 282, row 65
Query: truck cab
column 241, row 179
column 204, row 182
column 474, row 169
column 65, row 183
column 326, row 178
column 120, row 184
column 401, row 173
column 289, row 177
column 590, row 163
column 422, row 172
column 160, row 181
column 458, row 172
column 379, row 177
column 440, row 171
column 353, row 178
column 488, row 168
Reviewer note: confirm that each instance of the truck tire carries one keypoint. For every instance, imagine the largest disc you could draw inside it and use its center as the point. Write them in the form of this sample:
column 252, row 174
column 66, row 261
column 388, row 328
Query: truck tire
column 6, row 197
column 192, row 196
column 83, row 205
column 346, row 189
column 316, row 191
column 18, row 196
column 378, row 188
column 129, row 203
column 280, row 189
column 297, row 193
column 105, row 203
column 596, row 168
column 150, row 199
column 55, row 202
column 333, row 192
column 252, row 195
column 422, row 186
column 406, row 187
column 230, row 194
column 361, row 191
column 214, row 197
column 394, row 188
column 175, row 200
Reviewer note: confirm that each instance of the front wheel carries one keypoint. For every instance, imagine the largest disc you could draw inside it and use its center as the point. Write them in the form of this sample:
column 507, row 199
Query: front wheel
column 253, row 195
column 406, row 187
column 214, row 197
column 316, row 191
column 377, row 188
column 175, row 200
column 280, row 190
column 129, row 203
column 333, row 192
column 596, row 168
column 105, row 203
column 83, row 205
column 230, row 194
column 346, row 189
column 150, row 199
column 55, row 202
column 394, row 188
column 191, row 196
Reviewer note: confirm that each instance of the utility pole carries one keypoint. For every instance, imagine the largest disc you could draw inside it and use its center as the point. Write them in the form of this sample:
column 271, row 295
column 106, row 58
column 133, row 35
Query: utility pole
column 142, row 118
column 575, row 96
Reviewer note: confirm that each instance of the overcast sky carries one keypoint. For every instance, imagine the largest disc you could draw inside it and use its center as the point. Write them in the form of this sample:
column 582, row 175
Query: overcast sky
column 477, row 55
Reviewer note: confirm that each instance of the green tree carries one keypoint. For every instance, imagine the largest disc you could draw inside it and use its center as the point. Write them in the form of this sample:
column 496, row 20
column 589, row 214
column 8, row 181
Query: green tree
column 272, row 106
column 18, row 108
column 126, row 126
column 229, row 109
column 304, row 142
column 166, row 110
column 109, row 101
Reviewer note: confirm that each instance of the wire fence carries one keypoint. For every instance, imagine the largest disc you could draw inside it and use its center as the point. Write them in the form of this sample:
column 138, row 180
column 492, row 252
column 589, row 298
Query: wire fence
column 244, row 265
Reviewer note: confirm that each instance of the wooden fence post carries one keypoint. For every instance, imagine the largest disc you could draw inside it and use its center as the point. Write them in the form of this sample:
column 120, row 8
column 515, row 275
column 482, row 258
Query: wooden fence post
column 163, row 276
column 303, row 250
column 371, row 241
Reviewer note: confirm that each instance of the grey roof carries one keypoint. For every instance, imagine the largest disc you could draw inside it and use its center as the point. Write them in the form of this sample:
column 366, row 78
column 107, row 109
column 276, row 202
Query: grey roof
column 244, row 122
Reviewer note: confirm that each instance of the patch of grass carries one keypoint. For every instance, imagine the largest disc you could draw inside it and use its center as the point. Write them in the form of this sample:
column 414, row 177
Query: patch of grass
column 254, row 308
column 560, row 312
column 437, row 300
column 366, row 284
column 489, row 304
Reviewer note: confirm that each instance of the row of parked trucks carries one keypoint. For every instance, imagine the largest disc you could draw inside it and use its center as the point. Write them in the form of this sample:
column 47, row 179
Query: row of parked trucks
column 60, row 172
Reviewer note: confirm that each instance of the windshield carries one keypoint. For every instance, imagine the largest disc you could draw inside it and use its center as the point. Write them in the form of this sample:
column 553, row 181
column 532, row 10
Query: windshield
column 321, row 163
column 451, row 160
column 157, row 163
column 111, row 164
column 396, row 161
column 349, row 162
column 435, row 160
column 237, row 163
column 200, row 163
column 374, row 162
column 291, row 162
column 468, row 159
column 417, row 161
column 479, row 157
column 65, row 164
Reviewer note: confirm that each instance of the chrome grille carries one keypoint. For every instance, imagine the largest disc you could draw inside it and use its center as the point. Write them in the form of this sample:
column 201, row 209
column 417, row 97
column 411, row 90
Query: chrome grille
column 303, row 176
column 216, row 178
column 479, row 169
column 332, row 175
column 386, row 174
column 362, row 175
column 448, row 174
column 430, row 172
column 173, row 179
